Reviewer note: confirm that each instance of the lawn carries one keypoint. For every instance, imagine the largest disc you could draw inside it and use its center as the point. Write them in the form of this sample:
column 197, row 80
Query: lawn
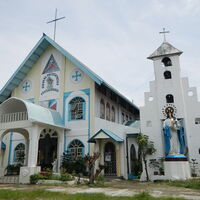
column 42, row 194
column 193, row 183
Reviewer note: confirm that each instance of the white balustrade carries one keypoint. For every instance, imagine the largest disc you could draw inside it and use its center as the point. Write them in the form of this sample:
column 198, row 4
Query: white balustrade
column 13, row 117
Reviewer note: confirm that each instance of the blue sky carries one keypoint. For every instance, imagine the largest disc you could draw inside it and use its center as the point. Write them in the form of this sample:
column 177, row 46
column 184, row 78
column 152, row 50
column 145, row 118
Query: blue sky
column 112, row 37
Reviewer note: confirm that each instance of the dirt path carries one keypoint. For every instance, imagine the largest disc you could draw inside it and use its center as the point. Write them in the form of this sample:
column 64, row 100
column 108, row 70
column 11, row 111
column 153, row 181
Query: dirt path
column 118, row 188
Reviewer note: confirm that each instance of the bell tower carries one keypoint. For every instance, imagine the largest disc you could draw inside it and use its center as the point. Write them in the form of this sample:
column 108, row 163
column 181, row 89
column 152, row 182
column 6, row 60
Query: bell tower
column 170, row 113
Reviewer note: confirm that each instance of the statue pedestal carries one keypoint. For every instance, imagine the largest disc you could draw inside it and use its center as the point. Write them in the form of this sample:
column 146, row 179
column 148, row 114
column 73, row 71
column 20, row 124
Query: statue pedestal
column 177, row 168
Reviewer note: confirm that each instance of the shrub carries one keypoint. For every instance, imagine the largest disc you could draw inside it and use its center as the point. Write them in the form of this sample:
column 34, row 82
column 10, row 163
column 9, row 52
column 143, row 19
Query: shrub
column 70, row 165
column 35, row 177
column 66, row 177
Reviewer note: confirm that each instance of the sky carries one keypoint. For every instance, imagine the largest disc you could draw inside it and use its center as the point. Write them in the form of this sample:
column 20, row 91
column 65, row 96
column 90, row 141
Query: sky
column 112, row 37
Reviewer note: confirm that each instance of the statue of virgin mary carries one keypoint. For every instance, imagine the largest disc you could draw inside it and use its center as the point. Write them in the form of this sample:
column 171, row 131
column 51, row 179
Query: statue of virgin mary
column 173, row 132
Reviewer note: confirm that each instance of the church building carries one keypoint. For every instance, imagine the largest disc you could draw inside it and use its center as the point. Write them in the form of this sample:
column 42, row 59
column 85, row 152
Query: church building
column 53, row 104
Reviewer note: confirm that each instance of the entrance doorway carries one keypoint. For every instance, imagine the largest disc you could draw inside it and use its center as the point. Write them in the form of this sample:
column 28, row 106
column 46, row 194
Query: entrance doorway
column 110, row 159
column 47, row 150
column 133, row 160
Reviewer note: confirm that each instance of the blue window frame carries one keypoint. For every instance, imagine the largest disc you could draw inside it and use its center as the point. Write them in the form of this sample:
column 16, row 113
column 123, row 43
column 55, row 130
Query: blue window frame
column 76, row 109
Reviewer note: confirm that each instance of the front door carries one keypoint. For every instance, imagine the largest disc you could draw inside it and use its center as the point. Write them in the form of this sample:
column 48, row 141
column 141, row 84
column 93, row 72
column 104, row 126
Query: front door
column 47, row 153
column 110, row 159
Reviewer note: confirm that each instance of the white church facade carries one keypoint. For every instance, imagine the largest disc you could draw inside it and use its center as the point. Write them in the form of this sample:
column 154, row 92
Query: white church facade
column 53, row 104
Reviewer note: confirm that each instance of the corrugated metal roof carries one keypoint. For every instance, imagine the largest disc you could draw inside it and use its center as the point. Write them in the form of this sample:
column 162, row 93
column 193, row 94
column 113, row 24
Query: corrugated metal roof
column 35, row 112
column 110, row 134
column 33, row 56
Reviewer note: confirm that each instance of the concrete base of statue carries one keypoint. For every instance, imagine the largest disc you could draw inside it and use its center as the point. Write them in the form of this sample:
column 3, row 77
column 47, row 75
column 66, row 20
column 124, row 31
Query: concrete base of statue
column 177, row 167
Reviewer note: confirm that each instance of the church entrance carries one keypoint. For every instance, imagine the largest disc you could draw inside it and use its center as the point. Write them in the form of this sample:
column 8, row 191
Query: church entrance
column 110, row 159
column 133, row 160
column 47, row 150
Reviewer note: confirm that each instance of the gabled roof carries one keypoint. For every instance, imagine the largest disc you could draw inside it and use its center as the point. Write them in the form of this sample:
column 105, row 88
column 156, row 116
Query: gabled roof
column 165, row 49
column 105, row 134
column 34, row 55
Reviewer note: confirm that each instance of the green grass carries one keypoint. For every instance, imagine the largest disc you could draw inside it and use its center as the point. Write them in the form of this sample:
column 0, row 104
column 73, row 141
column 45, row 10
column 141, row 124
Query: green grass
column 193, row 183
column 43, row 195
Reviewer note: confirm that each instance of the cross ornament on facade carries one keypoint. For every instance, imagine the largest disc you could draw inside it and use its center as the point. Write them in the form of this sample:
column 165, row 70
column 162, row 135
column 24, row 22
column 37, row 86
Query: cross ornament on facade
column 26, row 86
column 55, row 20
column 76, row 76
column 164, row 32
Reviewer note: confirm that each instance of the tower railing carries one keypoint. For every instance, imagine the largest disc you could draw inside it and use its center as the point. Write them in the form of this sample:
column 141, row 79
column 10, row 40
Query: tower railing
column 13, row 117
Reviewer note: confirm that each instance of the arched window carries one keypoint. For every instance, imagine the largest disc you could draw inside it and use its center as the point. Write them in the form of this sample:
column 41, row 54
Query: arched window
column 169, row 98
column 102, row 109
column 107, row 111
column 167, row 62
column 123, row 118
column 77, row 109
column 76, row 149
column 113, row 114
column 167, row 75
column 19, row 154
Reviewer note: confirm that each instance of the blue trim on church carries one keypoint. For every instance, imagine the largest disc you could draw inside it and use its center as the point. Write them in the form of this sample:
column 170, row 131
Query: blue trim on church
column 87, row 92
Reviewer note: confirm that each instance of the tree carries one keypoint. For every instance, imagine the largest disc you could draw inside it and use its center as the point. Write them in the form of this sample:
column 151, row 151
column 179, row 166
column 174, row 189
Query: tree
column 147, row 148
column 90, row 161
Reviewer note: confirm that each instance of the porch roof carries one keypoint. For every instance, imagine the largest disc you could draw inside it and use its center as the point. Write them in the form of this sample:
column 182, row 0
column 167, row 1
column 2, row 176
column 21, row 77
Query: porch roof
column 36, row 113
column 105, row 134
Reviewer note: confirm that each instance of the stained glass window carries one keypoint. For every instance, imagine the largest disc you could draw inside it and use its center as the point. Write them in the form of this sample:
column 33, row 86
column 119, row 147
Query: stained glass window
column 76, row 108
column 113, row 114
column 107, row 111
column 102, row 109
column 76, row 149
column 19, row 154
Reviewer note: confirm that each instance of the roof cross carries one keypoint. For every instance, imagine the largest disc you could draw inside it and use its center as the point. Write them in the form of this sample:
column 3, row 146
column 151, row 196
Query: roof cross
column 55, row 20
column 164, row 32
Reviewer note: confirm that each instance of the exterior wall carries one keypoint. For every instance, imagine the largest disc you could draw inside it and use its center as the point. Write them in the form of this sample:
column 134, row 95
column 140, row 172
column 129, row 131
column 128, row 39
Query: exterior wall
column 118, row 108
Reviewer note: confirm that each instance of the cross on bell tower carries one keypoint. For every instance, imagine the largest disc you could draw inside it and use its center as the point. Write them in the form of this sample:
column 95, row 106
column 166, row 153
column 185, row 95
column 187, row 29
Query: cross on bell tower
column 164, row 32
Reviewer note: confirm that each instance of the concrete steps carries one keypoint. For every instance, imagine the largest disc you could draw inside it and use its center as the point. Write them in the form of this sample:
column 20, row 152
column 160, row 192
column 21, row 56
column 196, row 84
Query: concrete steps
column 9, row 180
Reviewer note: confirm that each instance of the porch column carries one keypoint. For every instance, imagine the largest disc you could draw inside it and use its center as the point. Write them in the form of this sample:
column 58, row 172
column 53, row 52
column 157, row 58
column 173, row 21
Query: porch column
column 31, row 168
column 2, row 169
column 26, row 150
column 60, row 148
column 96, row 150
column 33, row 146
column 118, row 163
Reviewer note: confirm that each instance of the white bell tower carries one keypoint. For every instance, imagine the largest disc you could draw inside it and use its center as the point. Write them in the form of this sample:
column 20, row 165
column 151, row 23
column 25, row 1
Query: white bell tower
column 171, row 93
